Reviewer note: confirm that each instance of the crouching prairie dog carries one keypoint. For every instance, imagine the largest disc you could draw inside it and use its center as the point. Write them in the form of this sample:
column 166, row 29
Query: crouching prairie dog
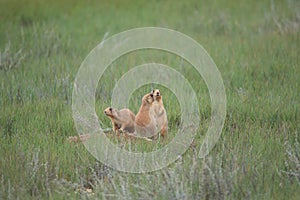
column 122, row 120
column 159, row 112
column 145, row 124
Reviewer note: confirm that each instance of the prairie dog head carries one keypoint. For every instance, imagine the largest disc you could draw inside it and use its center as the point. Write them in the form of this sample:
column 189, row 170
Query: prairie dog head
column 147, row 99
column 110, row 112
column 156, row 94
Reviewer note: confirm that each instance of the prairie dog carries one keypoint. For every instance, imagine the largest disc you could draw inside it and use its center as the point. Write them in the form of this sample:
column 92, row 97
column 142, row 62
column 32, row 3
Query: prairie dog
column 122, row 120
column 159, row 112
column 145, row 124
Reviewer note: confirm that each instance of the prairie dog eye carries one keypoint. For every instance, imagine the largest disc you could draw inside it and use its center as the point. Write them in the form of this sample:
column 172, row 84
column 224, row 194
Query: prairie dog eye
column 110, row 109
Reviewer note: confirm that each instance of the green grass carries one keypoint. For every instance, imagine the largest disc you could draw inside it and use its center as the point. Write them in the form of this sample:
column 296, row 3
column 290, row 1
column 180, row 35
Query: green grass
column 255, row 46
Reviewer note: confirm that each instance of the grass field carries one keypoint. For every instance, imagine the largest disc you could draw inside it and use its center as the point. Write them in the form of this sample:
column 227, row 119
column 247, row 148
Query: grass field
column 255, row 45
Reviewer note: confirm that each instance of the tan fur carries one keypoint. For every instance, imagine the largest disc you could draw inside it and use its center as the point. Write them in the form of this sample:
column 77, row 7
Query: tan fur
column 122, row 120
column 145, row 124
column 159, row 112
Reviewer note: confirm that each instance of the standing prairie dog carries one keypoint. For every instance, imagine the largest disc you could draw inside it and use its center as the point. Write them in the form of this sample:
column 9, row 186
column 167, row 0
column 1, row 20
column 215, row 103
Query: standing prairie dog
column 122, row 120
column 145, row 124
column 159, row 112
